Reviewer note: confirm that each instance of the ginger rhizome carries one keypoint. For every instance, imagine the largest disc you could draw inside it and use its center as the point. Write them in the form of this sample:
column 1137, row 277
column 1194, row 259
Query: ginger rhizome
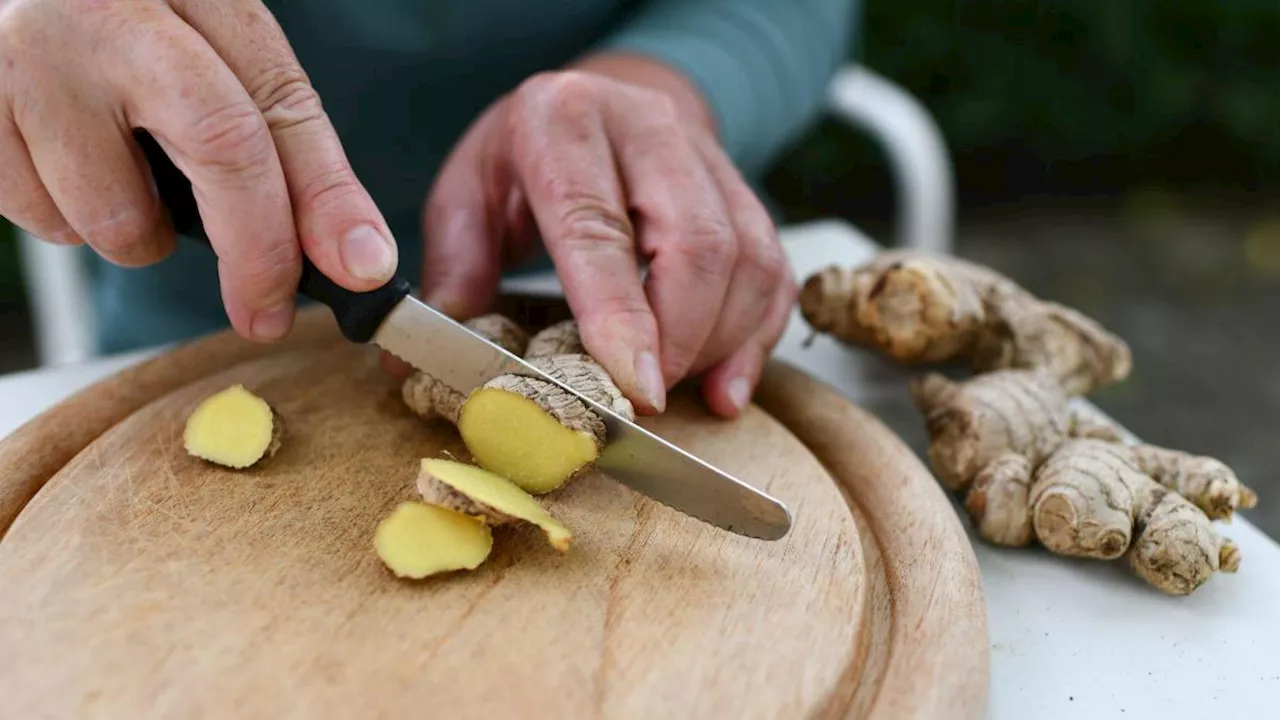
column 527, row 437
column 419, row 539
column 430, row 398
column 486, row 496
column 1031, row 468
column 1028, row 465
column 233, row 428
column 919, row 308
column 526, row 429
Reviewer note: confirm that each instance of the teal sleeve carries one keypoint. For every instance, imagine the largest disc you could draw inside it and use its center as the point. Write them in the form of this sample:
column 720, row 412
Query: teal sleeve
column 763, row 65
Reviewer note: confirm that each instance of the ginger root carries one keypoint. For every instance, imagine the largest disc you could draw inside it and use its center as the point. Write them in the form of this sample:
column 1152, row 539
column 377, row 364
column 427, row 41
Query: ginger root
column 919, row 308
column 525, row 429
column 417, row 540
column 430, row 398
column 1030, row 467
column 486, row 496
column 233, row 428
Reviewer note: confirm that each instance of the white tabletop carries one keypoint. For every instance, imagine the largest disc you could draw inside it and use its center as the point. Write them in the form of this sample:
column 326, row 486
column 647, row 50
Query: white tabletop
column 1068, row 639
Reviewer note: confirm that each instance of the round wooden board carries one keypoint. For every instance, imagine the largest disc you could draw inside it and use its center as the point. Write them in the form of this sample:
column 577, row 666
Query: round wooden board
column 141, row 582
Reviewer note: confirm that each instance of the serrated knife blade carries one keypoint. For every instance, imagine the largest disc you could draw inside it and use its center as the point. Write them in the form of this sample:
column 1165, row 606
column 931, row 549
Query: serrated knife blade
column 464, row 360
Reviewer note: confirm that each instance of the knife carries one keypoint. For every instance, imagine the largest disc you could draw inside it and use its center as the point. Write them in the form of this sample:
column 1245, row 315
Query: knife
column 393, row 319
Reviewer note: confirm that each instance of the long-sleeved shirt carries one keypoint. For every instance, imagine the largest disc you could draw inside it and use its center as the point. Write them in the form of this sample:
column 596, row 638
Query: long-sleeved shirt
column 402, row 79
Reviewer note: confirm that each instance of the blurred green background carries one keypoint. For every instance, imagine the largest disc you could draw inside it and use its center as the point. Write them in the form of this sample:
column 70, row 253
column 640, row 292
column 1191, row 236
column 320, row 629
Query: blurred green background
column 1075, row 98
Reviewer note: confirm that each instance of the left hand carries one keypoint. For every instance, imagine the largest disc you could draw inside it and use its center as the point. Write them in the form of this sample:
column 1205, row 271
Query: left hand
column 610, row 160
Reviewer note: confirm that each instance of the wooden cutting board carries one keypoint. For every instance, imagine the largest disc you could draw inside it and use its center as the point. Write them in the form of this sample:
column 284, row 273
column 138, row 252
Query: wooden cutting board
column 136, row 581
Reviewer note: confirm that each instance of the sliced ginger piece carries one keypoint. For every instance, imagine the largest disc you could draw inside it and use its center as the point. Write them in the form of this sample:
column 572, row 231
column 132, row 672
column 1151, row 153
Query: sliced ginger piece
column 417, row 540
column 492, row 498
column 233, row 428
column 530, row 432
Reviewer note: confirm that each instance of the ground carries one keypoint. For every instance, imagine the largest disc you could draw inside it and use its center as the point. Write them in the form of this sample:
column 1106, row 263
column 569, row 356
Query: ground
column 1194, row 288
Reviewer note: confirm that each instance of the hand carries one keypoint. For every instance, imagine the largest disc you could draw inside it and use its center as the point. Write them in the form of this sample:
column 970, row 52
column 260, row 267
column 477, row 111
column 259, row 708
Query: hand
column 216, row 83
column 610, row 160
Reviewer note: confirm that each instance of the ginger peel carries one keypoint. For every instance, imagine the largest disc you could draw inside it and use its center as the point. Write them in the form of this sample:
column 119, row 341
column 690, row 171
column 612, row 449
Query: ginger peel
column 527, row 437
column 491, row 498
column 525, row 429
column 1031, row 468
column 429, row 398
column 233, row 428
column 919, row 308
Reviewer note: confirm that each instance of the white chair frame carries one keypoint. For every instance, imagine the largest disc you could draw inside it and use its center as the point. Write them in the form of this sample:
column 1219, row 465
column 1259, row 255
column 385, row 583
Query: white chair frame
column 859, row 97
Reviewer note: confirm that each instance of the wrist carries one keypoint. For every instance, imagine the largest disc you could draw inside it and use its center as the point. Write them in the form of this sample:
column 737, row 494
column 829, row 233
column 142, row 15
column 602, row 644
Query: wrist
column 649, row 73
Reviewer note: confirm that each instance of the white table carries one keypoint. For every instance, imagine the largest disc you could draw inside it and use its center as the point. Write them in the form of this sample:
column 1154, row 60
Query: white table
column 1068, row 639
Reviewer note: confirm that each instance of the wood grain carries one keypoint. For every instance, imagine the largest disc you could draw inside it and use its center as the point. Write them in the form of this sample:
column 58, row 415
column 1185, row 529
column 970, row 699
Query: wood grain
column 31, row 454
column 936, row 661
column 140, row 582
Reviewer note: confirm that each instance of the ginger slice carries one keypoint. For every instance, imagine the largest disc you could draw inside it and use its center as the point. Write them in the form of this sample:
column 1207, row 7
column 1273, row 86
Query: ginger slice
column 488, row 496
column 233, row 428
column 526, row 429
column 417, row 540
column 530, row 432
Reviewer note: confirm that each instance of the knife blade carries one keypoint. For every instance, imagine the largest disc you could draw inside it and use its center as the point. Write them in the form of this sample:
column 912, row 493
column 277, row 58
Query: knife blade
column 396, row 321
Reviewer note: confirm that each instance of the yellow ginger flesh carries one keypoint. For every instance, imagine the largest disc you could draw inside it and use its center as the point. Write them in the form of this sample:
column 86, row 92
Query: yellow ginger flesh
column 417, row 540
column 233, row 428
column 513, row 436
column 495, row 498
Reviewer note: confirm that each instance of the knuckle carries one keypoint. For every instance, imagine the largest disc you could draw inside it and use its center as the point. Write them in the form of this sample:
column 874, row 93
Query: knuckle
column 663, row 110
column 234, row 139
column 565, row 92
column 763, row 256
column 589, row 220
column 680, row 351
column 708, row 246
column 285, row 96
column 270, row 273
column 128, row 238
column 329, row 186
column 566, row 85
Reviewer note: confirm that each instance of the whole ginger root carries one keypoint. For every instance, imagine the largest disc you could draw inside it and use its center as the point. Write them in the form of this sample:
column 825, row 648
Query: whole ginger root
column 919, row 308
column 525, row 429
column 1030, row 468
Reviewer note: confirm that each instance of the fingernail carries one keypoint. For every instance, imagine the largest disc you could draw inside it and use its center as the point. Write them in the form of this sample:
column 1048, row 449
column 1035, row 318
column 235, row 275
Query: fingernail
column 739, row 392
column 649, row 376
column 272, row 324
column 367, row 254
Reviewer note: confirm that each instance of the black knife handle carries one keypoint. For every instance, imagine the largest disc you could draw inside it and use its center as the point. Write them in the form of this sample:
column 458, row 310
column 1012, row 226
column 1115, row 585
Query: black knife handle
column 358, row 313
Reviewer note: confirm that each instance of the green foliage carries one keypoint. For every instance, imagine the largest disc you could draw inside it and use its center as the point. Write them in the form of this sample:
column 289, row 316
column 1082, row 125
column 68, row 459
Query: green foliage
column 1078, row 95
column 1070, row 80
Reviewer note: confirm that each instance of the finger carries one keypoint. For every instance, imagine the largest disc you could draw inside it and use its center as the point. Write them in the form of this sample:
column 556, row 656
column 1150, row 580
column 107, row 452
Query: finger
column 760, row 263
column 728, row 387
column 96, row 175
column 23, row 198
column 338, row 225
column 218, row 138
column 461, row 257
column 565, row 167
column 683, row 226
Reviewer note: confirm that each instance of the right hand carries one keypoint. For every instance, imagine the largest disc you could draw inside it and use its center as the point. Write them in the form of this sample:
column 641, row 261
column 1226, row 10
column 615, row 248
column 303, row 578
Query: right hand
column 218, row 86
